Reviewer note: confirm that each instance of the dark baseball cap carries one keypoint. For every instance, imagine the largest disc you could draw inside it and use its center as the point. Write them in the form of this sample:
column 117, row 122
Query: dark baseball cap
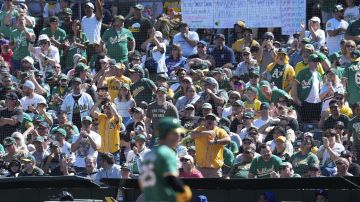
column 220, row 36
column 12, row 96
column 202, row 43
column 264, row 105
column 54, row 19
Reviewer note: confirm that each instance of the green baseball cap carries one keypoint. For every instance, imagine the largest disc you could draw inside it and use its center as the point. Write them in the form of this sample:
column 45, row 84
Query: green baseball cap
column 162, row 89
column 253, row 89
column 314, row 58
column 28, row 158
column 61, row 131
column 167, row 125
column 9, row 141
column 248, row 115
column 282, row 50
column 87, row 118
column 264, row 83
column 306, row 40
column 76, row 80
column 140, row 137
column 81, row 67
column 322, row 56
column 67, row 11
column 39, row 139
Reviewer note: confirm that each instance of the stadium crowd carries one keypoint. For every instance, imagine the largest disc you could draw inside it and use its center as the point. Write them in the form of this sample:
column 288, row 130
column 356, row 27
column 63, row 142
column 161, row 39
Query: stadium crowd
column 84, row 96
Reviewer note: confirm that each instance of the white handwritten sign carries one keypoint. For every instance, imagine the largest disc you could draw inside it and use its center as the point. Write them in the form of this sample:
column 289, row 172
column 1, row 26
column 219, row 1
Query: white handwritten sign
column 198, row 13
column 287, row 14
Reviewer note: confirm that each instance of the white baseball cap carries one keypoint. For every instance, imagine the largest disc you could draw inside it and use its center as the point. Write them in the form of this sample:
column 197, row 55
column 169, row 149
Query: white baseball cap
column 29, row 59
column 158, row 34
column 91, row 5
column 29, row 84
column 43, row 37
column 315, row 19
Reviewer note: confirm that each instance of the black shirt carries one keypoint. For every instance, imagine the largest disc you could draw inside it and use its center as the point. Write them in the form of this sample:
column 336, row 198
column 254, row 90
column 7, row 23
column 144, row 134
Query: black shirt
column 330, row 122
column 7, row 130
column 354, row 169
column 139, row 29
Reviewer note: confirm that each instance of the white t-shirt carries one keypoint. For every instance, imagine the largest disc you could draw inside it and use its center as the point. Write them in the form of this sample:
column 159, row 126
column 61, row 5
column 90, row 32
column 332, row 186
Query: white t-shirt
column 314, row 95
column 52, row 53
column 188, row 50
column 85, row 149
column 333, row 43
column 351, row 14
column 226, row 112
column 159, row 58
column 326, row 161
column 123, row 107
column 325, row 88
column 322, row 38
column 91, row 28
column 34, row 101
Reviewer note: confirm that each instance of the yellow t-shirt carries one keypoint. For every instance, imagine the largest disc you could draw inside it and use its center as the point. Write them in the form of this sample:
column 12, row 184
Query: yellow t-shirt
column 238, row 45
column 255, row 106
column 209, row 156
column 109, row 131
column 113, row 84
column 301, row 66
column 346, row 110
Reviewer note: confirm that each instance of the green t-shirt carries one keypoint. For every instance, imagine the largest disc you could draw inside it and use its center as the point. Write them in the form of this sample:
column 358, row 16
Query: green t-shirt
column 2, row 150
column 277, row 74
column 69, row 62
column 262, row 169
column 241, row 170
column 117, row 43
column 275, row 95
column 59, row 35
column 354, row 130
column 233, row 147
column 228, row 158
column 21, row 43
column 158, row 164
column 6, row 30
column 353, row 29
column 305, row 78
column 301, row 163
column 352, row 73
column 142, row 90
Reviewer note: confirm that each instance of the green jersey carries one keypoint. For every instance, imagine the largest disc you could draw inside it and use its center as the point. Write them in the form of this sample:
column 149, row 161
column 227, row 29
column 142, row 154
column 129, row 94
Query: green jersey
column 301, row 163
column 262, row 169
column 142, row 90
column 117, row 43
column 354, row 130
column 276, row 93
column 158, row 164
column 69, row 62
column 241, row 170
column 352, row 73
column 59, row 34
column 21, row 43
column 7, row 29
column 277, row 74
column 305, row 78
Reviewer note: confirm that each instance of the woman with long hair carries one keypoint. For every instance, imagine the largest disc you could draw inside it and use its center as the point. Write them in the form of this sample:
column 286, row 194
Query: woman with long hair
column 124, row 102
column 75, row 43
column 349, row 46
column 175, row 60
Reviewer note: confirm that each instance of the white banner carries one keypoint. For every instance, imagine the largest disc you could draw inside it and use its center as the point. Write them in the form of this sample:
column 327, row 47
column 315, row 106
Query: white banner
column 287, row 14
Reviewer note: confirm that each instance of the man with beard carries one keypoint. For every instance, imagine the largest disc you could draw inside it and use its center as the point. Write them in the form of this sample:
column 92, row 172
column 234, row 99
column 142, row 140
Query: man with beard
column 264, row 165
column 77, row 105
column 11, row 116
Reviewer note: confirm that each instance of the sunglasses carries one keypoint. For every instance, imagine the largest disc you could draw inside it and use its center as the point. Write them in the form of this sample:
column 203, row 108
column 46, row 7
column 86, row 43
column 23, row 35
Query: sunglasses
column 350, row 46
column 245, row 54
column 339, row 163
column 339, row 97
column 184, row 160
column 200, row 46
column 339, row 128
column 43, row 42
